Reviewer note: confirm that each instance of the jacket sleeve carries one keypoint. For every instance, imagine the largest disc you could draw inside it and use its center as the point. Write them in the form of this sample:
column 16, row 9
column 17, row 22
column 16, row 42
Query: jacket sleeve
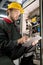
column 10, row 48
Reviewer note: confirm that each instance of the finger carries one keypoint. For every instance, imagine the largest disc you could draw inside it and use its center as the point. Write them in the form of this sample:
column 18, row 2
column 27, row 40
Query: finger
column 35, row 42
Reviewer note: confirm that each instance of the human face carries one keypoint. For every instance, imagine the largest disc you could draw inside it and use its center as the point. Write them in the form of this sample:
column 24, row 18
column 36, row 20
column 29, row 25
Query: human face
column 14, row 14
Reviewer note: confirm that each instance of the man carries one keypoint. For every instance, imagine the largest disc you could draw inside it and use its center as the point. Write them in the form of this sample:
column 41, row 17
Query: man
column 10, row 40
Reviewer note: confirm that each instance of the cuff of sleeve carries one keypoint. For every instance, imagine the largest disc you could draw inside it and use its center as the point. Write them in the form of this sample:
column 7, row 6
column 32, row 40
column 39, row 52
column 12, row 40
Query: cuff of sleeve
column 15, row 42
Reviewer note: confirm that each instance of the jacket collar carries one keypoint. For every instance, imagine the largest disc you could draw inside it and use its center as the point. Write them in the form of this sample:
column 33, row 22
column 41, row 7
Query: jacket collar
column 7, row 20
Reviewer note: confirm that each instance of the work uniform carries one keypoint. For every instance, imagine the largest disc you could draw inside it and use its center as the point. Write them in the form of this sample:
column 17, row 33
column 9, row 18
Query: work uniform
column 9, row 48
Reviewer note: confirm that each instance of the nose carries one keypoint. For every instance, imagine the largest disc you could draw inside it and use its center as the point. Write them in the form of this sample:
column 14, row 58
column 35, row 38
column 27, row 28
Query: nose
column 18, row 14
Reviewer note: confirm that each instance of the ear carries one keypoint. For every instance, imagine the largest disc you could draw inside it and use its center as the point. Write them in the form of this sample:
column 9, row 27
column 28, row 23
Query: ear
column 7, row 11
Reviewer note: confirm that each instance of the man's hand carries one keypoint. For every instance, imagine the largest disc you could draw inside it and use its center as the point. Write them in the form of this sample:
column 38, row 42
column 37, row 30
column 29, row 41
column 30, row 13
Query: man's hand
column 22, row 40
column 35, row 42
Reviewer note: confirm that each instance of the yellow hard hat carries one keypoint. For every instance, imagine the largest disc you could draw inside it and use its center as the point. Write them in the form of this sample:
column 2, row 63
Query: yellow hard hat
column 34, row 19
column 16, row 5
